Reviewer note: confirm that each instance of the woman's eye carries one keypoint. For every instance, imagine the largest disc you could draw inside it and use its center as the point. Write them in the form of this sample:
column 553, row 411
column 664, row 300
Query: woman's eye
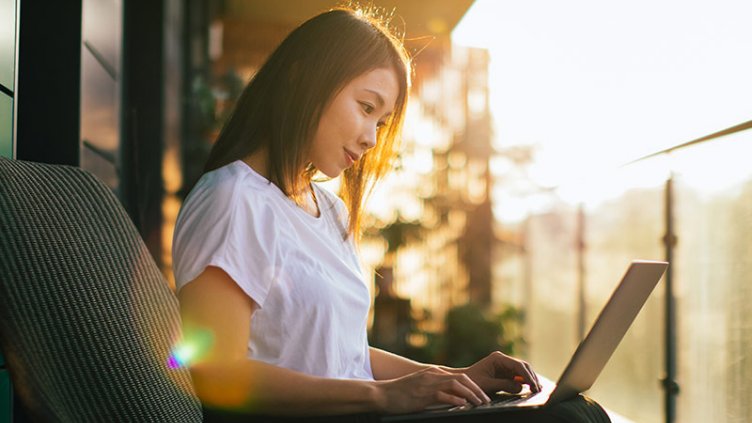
column 381, row 124
column 367, row 108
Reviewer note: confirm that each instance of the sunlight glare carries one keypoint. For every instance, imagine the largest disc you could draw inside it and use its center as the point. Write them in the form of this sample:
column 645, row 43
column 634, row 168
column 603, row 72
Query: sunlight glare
column 595, row 85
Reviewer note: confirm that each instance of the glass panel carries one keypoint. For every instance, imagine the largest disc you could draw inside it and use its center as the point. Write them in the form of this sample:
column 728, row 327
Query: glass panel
column 99, row 105
column 619, row 230
column 624, row 220
column 712, row 267
column 105, row 170
column 100, row 121
column 6, row 126
column 101, row 30
column 7, row 43
column 551, row 330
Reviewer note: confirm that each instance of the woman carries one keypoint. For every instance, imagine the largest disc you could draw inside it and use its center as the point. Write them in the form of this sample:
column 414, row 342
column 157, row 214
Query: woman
column 265, row 261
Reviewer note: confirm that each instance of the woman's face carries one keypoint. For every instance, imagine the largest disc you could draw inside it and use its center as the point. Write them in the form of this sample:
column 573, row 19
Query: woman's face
column 349, row 123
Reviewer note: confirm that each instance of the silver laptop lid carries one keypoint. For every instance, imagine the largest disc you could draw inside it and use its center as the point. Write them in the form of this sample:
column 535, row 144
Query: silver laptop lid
column 609, row 328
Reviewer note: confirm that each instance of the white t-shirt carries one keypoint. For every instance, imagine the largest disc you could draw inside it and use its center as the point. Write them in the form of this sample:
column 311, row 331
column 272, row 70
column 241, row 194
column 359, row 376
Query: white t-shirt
column 304, row 276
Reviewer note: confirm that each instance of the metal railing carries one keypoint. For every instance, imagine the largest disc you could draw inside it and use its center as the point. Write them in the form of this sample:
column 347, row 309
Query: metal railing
column 670, row 239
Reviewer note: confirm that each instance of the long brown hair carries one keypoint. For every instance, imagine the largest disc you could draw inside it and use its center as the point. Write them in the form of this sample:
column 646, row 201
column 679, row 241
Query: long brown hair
column 281, row 107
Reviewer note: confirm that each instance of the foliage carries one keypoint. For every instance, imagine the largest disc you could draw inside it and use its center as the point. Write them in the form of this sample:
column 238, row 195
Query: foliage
column 471, row 334
column 399, row 232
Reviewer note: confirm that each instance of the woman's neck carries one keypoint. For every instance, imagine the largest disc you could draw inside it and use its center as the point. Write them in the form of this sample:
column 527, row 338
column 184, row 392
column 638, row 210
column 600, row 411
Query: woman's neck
column 259, row 162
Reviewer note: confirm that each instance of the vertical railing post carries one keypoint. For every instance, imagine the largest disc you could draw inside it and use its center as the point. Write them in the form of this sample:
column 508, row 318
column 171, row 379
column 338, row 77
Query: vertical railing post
column 580, row 246
column 670, row 386
column 527, row 280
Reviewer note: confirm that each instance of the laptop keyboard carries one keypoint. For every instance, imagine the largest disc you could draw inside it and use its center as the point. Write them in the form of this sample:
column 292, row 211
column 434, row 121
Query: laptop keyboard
column 500, row 399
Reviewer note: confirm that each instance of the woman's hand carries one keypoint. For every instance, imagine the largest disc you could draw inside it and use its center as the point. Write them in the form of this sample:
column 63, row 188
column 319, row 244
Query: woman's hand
column 430, row 386
column 500, row 372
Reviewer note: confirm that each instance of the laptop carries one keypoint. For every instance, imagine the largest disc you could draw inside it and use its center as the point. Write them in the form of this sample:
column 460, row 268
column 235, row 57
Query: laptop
column 588, row 360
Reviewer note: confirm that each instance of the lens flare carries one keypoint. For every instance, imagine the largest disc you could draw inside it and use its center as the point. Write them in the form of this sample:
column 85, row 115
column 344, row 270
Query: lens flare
column 190, row 349
column 181, row 355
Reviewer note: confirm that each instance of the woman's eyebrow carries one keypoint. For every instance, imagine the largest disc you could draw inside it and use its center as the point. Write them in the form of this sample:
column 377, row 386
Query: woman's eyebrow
column 379, row 98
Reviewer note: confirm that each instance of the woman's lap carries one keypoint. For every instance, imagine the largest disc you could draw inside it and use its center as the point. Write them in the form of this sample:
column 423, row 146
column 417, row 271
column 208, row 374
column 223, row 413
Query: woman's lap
column 577, row 410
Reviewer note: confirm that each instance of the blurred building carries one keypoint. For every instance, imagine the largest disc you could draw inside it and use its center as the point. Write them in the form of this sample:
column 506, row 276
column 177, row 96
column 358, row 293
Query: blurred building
column 442, row 185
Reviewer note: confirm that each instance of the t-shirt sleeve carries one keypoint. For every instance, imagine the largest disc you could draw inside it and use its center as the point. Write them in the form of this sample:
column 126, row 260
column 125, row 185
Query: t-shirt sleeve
column 231, row 230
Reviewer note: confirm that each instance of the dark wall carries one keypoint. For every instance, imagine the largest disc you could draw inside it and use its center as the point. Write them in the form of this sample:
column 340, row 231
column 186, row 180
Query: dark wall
column 142, row 116
column 49, row 75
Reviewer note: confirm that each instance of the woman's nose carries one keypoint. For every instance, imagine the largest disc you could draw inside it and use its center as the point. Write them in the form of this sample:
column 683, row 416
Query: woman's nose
column 368, row 140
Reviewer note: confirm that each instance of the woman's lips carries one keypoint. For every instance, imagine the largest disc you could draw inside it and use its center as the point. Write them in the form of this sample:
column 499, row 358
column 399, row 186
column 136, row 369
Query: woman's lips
column 351, row 157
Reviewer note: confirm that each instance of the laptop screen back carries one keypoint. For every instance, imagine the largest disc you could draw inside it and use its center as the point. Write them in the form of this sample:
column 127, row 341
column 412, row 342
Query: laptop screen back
column 609, row 328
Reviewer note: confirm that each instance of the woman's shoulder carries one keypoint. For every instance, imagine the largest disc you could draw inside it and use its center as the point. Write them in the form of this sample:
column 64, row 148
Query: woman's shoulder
column 228, row 190
column 230, row 183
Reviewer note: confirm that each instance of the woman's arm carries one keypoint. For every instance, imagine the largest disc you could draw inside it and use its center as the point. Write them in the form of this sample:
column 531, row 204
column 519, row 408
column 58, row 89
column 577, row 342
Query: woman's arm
column 386, row 365
column 495, row 372
column 216, row 316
